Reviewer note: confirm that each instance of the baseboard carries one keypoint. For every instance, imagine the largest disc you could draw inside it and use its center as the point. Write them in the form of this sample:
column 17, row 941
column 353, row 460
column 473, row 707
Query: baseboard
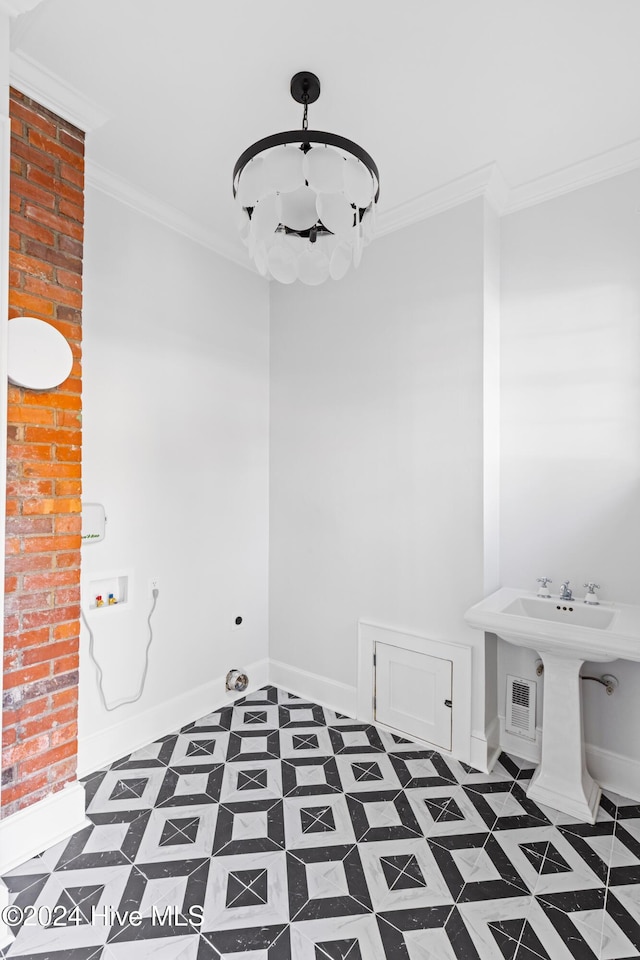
column 484, row 750
column 520, row 746
column 485, row 747
column 483, row 753
column 493, row 743
column 328, row 693
column 103, row 747
column 43, row 824
column 613, row 772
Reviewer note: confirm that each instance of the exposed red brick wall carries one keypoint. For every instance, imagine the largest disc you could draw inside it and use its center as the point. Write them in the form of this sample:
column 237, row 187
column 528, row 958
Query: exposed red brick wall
column 42, row 601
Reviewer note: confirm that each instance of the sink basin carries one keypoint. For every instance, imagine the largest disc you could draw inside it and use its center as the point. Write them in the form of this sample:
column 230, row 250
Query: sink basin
column 565, row 633
column 562, row 611
column 607, row 631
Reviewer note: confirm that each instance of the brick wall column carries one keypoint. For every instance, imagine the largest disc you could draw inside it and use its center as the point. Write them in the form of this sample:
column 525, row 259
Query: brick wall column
column 44, row 445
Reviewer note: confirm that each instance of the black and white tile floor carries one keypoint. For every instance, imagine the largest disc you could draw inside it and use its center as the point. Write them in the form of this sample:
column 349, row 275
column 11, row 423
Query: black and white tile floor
column 275, row 829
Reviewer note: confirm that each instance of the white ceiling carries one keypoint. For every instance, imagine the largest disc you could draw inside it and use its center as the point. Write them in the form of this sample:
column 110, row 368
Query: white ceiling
column 433, row 89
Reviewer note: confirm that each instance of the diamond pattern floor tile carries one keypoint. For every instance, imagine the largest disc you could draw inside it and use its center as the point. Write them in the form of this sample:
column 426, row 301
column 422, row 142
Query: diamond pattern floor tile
column 278, row 829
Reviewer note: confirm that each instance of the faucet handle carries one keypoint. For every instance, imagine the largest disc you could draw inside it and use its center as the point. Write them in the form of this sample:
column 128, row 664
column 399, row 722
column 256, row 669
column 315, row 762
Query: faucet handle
column 543, row 590
column 545, row 580
column 592, row 597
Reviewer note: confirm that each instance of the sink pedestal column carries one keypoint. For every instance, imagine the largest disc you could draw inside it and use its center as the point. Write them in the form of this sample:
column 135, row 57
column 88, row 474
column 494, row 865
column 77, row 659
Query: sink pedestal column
column 562, row 780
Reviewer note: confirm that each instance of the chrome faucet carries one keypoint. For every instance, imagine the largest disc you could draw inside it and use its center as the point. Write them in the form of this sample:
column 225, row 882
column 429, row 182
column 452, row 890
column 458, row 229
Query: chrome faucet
column 592, row 597
column 566, row 593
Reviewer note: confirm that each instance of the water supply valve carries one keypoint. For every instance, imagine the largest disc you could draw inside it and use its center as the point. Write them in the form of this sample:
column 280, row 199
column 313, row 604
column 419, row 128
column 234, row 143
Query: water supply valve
column 237, row 681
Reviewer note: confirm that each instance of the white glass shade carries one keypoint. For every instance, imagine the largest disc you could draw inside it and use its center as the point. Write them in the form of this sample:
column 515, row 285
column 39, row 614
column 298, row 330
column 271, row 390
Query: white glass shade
column 243, row 224
column 336, row 213
column 310, row 212
column 283, row 263
column 323, row 169
column 252, row 185
column 260, row 258
column 340, row 261
column 265, row 218
column 358, row 184
column 313, row 267
column 299, row 208
column 282, row 169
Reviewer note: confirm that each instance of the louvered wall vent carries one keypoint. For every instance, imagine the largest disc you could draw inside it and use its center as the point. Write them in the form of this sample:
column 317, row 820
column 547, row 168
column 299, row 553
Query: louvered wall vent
column 521, row 707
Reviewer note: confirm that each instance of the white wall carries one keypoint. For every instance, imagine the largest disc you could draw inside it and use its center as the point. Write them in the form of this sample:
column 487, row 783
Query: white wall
column 175, row 380
column 571, row 419
column 377, row 442
column 376, row 449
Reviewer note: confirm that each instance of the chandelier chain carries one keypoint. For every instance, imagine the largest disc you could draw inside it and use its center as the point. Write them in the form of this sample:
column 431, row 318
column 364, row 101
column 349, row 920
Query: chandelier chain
column 305, row 122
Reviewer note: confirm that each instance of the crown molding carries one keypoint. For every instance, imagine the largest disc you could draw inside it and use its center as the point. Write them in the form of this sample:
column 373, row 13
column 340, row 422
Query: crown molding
column 489, row 182
column 16, row 7
column 497, row 190
column 120, row 189
column 601, row 167
column 54, row 93
column 486, row 182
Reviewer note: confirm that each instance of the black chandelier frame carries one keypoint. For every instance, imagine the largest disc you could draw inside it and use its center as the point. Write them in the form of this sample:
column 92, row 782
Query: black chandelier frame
column 305, row 137
column 305, row 89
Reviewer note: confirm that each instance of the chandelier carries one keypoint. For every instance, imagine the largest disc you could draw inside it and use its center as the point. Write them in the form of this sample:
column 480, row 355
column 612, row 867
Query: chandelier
column 306, row 199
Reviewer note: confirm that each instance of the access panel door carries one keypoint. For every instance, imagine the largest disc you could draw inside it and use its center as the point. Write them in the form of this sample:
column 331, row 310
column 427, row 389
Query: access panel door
column 413, row 693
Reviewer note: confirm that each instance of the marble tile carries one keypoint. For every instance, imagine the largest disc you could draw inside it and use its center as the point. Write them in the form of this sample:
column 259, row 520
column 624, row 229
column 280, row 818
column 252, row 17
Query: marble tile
column 278, row 829
column 242, row 893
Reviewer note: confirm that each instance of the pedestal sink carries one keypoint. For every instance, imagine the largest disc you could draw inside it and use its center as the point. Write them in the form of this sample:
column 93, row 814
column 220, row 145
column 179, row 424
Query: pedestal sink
column 565, row 634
